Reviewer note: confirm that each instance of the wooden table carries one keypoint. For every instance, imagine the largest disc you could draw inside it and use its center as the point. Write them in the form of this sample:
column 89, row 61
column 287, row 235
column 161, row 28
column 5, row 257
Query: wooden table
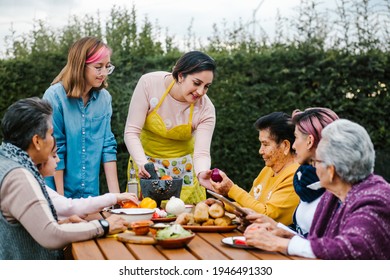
column 205, row 246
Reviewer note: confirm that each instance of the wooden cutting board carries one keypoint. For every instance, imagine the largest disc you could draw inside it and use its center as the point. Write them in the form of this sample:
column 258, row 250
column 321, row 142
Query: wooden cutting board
column 130, row 237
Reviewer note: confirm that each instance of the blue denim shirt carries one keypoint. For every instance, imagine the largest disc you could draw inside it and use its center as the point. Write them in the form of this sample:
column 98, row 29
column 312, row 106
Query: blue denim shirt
column 84, row 139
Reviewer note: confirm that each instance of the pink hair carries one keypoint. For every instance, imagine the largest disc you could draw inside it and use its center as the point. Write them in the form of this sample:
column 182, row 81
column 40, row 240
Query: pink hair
column 313, row 120
column 98, row 56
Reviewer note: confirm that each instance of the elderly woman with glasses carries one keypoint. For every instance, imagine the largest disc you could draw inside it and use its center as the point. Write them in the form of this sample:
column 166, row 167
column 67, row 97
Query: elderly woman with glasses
column 352, row 220
column 81, row 118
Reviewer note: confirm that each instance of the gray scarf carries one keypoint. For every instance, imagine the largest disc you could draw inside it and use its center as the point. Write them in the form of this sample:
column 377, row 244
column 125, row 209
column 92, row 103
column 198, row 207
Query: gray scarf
column 18, row 155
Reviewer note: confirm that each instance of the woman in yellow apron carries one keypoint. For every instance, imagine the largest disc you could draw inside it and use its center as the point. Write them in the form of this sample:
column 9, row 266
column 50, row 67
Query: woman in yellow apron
column 171, row 121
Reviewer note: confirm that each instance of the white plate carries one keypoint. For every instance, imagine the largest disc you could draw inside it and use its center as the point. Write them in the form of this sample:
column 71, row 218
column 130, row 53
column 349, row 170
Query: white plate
column 230, row 241
column 133, row 211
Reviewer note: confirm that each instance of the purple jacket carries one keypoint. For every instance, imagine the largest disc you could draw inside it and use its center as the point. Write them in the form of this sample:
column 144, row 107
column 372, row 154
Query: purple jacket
column 359, row 228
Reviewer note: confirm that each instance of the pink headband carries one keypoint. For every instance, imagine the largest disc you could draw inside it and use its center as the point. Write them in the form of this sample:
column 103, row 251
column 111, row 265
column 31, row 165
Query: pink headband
column 99, row 55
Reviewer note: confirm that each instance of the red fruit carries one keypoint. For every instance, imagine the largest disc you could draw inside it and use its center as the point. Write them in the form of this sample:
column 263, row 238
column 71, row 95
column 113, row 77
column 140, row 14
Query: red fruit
column 215, row 176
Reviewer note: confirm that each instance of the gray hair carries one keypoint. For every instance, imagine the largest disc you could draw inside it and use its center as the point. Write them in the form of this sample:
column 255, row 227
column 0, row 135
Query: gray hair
column 347, row 146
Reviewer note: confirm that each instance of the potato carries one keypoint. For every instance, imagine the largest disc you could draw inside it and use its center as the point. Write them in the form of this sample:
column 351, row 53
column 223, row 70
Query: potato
column 201, row 212
column 216, row 211
column 185, row 219
column 209, row 222
column 223, row 222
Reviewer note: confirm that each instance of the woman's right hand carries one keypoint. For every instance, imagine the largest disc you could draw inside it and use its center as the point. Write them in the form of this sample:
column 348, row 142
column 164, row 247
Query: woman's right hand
column 126, row 196
column 117, row 224
column 142, row 172
column 254, row 217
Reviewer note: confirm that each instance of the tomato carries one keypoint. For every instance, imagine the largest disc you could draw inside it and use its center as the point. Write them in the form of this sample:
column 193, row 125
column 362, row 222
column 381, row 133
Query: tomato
column 128, row 204
column 166, row 177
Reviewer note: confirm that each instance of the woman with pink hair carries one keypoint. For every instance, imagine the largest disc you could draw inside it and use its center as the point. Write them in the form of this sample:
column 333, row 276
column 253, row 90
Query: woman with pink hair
column 82, row 121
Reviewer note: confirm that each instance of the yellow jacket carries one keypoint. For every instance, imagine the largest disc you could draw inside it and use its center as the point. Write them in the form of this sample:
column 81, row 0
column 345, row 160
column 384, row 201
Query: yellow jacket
column 271, row 195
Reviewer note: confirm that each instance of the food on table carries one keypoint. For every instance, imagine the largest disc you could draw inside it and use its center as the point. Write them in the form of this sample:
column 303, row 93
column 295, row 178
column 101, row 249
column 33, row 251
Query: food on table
column 128, row 204
column 147, row 202
column 175, row 206
column 141, row 227
column 239, row 242
column 202, row 216
column 185, row 219
column 173, row 231
column 223, row 222
column 166, row 177
column 215, row 176
column 216, row 211
column 209, row 222
column 201, row 212
column 160, row 213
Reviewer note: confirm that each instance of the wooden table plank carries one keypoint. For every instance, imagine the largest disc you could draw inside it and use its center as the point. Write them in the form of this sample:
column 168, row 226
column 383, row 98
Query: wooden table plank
column 113, row 249
column 214, row 239
column 86, row 250
column 177, row 254
column 144, row 252
column 204, row 251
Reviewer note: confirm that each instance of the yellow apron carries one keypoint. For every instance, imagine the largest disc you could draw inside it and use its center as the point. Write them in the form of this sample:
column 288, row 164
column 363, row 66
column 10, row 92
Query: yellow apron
column 171, row 151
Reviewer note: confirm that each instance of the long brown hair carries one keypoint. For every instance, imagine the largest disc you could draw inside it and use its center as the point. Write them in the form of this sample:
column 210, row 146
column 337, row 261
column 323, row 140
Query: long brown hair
column 72, row 75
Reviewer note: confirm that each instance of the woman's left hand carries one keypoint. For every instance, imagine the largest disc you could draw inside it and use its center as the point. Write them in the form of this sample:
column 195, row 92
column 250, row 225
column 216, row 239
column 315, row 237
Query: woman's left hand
column 262, row 237
column 204, row 179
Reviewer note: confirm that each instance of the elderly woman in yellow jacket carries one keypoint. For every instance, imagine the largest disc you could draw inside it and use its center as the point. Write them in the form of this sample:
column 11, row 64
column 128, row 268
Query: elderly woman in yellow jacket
column 272, row 192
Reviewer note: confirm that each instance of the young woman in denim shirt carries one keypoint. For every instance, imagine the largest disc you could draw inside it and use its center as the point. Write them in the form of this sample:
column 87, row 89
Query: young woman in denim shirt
column 82, row 121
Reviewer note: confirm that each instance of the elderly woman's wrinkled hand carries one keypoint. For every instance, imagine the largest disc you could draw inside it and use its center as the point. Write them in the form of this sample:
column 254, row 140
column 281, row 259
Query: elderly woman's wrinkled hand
column 223, row 187
column 260, row 219
column 262, row 237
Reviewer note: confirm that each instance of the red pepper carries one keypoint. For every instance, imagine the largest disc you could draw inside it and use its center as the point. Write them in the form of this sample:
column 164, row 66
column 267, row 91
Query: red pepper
column 239, row 242
column 155, row 215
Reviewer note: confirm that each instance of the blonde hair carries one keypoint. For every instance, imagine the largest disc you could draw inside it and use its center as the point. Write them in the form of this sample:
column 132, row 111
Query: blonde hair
column 72, row 75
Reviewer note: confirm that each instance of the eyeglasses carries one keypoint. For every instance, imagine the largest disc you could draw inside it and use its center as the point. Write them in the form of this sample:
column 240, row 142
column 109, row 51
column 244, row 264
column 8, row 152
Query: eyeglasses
column 314, row 162
column 99, row 69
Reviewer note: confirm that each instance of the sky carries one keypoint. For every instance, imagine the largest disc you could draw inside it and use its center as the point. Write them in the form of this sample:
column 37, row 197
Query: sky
column 175, row 15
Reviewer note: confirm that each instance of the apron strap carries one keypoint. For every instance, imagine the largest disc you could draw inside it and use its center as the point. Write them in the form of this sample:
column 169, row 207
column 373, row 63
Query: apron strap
column 164, row 95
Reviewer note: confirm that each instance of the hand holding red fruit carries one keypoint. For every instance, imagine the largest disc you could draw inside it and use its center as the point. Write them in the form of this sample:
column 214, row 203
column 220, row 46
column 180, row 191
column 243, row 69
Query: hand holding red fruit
column 224, row 186
column 215, row 175
column 204, row 179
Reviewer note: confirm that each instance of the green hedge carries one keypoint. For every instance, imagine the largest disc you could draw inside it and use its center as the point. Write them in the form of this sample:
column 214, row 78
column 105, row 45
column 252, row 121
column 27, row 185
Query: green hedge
column 254, row 76
column 247, row 86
